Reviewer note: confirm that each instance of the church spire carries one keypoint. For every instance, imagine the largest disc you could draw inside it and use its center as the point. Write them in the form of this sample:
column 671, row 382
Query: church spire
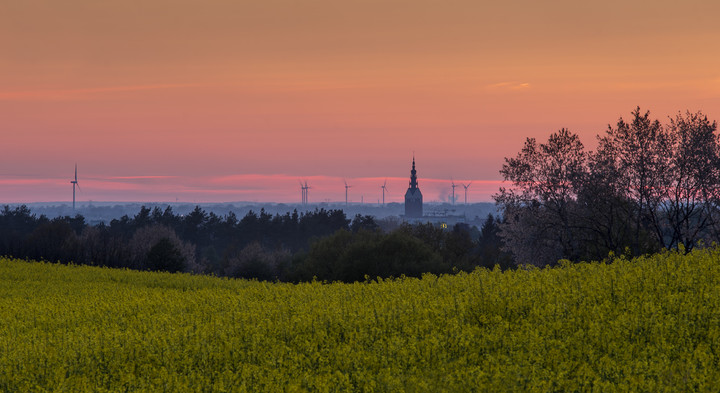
column 413, row 175
column 413, row 196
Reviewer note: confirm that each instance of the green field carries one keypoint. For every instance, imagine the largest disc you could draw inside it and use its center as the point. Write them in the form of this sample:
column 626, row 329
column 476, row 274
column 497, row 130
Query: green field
column 650, row 324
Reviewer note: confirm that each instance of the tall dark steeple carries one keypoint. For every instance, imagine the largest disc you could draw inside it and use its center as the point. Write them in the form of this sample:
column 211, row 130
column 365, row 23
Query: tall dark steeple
column 413, row 196
column 413, row 175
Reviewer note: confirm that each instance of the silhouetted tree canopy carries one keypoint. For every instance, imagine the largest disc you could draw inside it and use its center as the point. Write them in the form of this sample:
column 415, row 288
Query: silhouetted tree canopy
column 321, row 244
column 647, row 186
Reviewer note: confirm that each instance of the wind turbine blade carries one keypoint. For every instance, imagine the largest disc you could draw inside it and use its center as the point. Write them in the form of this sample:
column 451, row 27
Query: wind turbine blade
column 75, row 172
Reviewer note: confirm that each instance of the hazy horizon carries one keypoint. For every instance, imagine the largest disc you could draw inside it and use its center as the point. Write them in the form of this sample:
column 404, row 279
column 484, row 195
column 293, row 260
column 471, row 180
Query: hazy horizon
column 237, row 188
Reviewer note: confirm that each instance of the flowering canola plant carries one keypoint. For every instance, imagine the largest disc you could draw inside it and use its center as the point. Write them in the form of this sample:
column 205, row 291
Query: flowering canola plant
column 647, row 324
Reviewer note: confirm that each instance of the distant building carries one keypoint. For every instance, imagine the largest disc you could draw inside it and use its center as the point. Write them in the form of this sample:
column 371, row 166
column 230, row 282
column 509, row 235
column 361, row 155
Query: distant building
column 413, row 196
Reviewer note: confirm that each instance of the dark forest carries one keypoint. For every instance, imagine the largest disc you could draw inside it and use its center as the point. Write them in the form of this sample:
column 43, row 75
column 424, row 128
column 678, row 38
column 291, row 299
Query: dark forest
column 323, row 245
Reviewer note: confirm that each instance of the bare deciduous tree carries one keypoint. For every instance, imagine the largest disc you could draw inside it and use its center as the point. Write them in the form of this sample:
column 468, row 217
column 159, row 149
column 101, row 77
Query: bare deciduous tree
column 539, row 207
column 694, row 183
column 640, row 153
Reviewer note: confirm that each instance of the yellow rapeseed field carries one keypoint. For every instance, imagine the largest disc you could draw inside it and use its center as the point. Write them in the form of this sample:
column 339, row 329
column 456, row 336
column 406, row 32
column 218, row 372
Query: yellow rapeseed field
column 649, row 324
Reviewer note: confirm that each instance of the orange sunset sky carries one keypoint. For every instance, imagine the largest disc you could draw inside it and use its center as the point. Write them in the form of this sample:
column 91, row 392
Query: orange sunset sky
column 235, row 100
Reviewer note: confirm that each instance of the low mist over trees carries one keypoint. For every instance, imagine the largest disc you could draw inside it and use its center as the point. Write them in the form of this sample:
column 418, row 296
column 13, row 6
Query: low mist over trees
column 648, row 186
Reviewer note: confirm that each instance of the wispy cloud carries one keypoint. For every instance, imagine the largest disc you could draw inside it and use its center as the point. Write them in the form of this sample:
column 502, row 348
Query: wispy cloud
column 508, row 86
column 74, row 94
column 141, row 177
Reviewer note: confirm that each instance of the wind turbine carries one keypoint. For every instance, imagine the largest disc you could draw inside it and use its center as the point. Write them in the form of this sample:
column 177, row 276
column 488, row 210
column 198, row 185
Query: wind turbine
column 74, row 183
column 303, row 189
column 306, row 192
column 466, row 187
column 453, row 187
column 384, row 188
column 346, row 191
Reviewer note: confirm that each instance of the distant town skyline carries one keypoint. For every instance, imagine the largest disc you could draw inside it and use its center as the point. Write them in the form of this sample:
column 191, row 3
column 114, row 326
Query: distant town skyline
column 221, row 100
column 233, row 188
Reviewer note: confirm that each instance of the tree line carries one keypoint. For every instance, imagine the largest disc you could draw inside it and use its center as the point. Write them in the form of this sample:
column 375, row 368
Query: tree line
column 648, row 186
column 322, row 244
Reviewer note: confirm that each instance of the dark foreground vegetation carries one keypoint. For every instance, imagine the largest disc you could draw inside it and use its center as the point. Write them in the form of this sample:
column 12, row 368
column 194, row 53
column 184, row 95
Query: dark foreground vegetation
column 323, row 244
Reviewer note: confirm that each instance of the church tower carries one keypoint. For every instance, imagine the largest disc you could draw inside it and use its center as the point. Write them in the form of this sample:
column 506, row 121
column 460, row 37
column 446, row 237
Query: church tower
column 413, row 196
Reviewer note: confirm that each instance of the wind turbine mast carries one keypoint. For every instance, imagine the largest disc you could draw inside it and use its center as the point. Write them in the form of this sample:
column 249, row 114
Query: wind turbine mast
column 303, row 190
column 74, row 183
column 384, row 188
column 346, row 191
column 453, row 187
column 306, row 192
column 466, row 188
